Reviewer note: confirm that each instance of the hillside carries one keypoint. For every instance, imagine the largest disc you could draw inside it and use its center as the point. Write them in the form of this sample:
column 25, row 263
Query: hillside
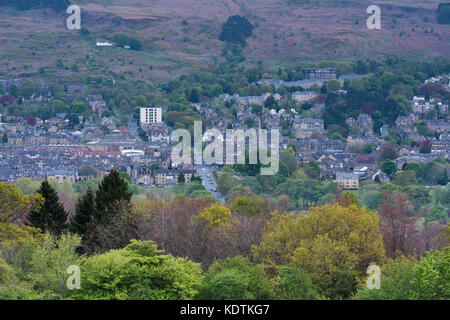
column 179, row 36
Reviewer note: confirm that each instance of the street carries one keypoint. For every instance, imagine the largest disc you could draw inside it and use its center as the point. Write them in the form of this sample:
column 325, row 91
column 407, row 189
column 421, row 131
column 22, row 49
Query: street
column 208, row 181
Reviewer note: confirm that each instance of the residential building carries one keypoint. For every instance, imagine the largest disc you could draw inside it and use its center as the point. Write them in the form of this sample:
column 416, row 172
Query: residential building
column 150, row 115
column 347, row 180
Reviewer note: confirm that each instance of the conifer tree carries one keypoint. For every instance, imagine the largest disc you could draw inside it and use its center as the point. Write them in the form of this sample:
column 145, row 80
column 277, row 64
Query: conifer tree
column 51, row 216
column 112, row 190
column 84, row 210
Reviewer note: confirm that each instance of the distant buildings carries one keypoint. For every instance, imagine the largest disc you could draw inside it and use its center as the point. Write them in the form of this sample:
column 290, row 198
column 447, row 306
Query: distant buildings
column 307, row 128
column 421, row 105
column 8, row 83
column 303, row 96
column 363, row 123
column 150, row 115
column 319, row 74
column 347, row 180
column 97, row 104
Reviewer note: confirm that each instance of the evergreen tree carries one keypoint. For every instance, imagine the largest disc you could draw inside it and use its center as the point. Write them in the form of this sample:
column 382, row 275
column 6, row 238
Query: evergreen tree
column 51, row 216
column 85, row 208
column 112, row 190
column 181, row 178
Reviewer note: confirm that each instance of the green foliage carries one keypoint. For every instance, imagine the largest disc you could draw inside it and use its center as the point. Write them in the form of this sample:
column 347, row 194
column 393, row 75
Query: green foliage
column 423, row 130
column 236, row 30
column 395, row 282
column 14, row 206
column 334, row 244
column 84, row 211
column 138, row 271
column 51, row 216
column 234, row 279
column 437, row 213
column 311, row 169
column 294, row 284
column 305, row 192
column 225, row 182
column 49, row 263
column 250, row 206
column 11, row 288
column 333, row 85
column 368, row 148
column 389, row 167
column 406, row 178
column 112, row 190
column 432, row 276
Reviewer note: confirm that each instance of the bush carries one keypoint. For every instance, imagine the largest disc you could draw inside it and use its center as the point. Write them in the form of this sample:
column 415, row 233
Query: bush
column 139, row 271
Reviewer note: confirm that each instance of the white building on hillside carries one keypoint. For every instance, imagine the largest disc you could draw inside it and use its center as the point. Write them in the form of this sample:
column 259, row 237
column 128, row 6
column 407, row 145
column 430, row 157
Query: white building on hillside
column 151, row 115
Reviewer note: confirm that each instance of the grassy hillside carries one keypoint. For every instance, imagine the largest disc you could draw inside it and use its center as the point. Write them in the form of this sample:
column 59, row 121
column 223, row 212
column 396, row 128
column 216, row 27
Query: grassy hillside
column 179, row 36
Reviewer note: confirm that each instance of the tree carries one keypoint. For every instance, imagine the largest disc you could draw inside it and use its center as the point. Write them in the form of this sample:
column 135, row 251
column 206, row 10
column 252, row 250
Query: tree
column 49, row 263
column 112, row 190
column 405, row 278
column 138, row 271
column 396, row 277
column 398, row 230
column 406, row 178
column 321, row 243
column 14, row 207
column 423, row 130
column 225, row 182
column 15, row 242
column 389, row 167
column 28, row 88
column 84, row 211
column 431, row 276
column 294, row 284
column 388, row 152
column 236, row 30
column 181, row 178
column 5, row 138
column 215, row 216
column 368, row 148
column 271, row 103
column 250, row 206
column 437, row 213
column 289, row 159
column 194, row 95
column 51, row 216
column 12, row 288
column 333, row 85
column 234, row 279
column 311, row 169
column 434, row 173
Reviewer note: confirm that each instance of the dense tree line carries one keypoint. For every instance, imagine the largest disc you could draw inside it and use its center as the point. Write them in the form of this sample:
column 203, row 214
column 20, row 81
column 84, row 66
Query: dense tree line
column 197, row 248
